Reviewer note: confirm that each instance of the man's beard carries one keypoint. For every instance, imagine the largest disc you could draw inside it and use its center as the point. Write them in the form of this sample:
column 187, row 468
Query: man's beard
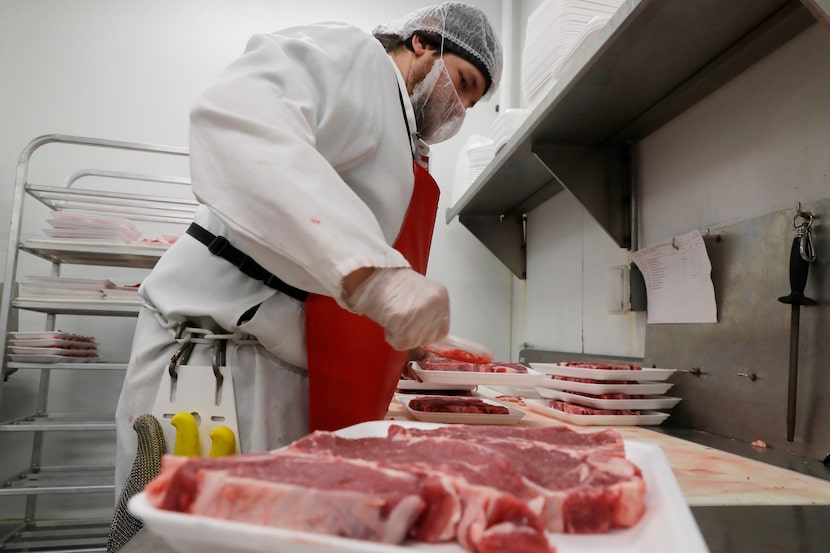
column 439, row 111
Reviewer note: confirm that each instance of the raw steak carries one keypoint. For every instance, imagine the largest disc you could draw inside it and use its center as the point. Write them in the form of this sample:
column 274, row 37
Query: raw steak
column 492, row 489
column 456, row 405
column 602, row 366
column 587, row 490
column 574, row 409
column 447, row 365
column 334, row 496
column 593, row 381
column 607, row 442
column 609, row 396
column 441, row 364
column 497, row 504
column 511, row 368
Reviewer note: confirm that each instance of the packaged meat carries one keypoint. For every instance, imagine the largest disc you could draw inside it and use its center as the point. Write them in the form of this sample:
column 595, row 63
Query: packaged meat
column 442, row 404
column 610, row 401
column 460, row 349
column 459, row 410
column 509, row 368
column 444, row 372
column 596, row 418
column 436, row 363
column 617, row 373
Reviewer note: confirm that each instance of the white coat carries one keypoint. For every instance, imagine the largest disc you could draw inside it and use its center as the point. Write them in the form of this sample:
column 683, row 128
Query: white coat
column 300, row 156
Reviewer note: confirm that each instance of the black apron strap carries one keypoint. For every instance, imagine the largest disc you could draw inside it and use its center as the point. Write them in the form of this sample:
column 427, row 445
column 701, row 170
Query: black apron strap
column 219, row 245
column 406, row 122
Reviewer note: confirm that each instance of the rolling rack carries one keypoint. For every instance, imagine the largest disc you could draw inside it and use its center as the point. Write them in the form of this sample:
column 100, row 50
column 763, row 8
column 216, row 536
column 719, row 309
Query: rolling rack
column 106, row 198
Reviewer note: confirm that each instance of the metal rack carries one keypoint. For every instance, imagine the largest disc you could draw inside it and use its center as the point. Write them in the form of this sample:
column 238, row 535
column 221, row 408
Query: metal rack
column 29, row 533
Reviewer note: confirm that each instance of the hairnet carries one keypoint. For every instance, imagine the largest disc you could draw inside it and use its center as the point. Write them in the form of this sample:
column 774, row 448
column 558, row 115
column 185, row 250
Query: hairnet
column 464, row 26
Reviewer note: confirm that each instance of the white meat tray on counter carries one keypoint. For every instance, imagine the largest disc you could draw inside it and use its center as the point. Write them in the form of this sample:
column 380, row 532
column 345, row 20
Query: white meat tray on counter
column 645, row 418
column 511, row 417
column 668, row 524
column 410, row 385
column 529, row 379
column 599, row 387
column 653, row 402
column 558, row 369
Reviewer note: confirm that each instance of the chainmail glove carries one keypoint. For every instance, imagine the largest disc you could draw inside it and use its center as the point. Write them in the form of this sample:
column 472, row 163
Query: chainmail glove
column 147, row 465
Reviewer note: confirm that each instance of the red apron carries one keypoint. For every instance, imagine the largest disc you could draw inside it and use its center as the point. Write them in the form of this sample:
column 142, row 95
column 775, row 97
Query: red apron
column 352, row 371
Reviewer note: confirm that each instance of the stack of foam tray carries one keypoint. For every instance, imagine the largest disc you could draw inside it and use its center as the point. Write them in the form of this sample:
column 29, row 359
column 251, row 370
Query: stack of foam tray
column 555, row 31
column 604, row 394
column 52, row 347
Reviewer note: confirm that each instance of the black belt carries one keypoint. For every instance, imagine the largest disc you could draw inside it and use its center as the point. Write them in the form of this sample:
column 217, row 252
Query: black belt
column 219, row 245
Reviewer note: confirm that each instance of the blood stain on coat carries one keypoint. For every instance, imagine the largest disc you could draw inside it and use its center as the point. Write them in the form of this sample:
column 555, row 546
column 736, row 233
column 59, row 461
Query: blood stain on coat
column 315, row 220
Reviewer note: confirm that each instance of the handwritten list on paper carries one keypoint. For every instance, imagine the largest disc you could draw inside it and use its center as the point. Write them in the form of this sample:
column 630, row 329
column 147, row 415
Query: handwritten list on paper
column 678, row 277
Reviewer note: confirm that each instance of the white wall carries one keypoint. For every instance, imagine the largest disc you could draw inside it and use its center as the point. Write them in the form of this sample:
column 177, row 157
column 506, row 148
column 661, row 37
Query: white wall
column 127, row 70
column 756, row 146
column 130, row 71
column 760, row 144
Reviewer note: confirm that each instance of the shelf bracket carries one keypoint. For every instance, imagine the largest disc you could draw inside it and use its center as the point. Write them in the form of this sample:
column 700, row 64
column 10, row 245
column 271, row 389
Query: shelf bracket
column 599, row 178
column 501, row 234
column 820, row 10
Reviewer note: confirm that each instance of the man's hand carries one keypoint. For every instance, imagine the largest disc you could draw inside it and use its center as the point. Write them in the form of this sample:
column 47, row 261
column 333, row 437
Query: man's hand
column 412, row 309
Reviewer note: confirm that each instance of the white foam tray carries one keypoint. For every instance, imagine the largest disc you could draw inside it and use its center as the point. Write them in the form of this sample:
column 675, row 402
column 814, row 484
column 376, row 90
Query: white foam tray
column 668, row 524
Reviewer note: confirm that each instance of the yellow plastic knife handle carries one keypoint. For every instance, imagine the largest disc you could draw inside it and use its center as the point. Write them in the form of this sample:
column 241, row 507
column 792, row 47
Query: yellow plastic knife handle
column 222, row 442
column 187, row 435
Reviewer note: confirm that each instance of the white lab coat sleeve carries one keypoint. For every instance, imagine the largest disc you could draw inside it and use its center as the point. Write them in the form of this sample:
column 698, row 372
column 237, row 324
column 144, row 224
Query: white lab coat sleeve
column 268, row 139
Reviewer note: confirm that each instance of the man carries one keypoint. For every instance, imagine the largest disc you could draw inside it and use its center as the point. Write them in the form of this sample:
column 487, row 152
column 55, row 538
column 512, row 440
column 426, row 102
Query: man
column 307, row 254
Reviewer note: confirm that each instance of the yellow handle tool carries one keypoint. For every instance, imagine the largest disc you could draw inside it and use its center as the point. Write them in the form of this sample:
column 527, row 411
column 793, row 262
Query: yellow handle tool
column 222, row 442
column 187, row 435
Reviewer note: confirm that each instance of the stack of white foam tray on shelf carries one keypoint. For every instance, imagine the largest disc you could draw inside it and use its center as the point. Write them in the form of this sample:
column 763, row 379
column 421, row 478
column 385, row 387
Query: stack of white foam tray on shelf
column 52, row 347
column 475, row 155
column 88, row 228
column 603, row 393
column 555, row 30
column 505, row 126
column 56, row 288
column 49, row 288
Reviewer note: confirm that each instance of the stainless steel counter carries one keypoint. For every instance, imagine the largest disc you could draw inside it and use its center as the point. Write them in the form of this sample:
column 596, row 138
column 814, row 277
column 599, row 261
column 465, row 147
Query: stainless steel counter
column 768, row 529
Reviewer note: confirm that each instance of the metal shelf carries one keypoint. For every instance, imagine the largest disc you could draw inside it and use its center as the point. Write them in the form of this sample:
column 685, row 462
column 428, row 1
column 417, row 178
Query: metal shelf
column 59, row 422
column 68, row 366
column 76, row 307
column 652, row 61
column 60, row 480
column 141, row 255
column 60, row 536
column 109, row 193
column 117, row 204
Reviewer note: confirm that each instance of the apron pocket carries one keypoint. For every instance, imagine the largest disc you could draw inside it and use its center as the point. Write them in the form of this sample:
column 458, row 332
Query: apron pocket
column 278, row 324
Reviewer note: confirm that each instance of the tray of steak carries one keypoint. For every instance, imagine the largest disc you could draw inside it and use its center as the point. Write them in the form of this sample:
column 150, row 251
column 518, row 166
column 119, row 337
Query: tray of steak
column 49, row 335
column 442, row 371
column 611, row 401
column 568, row 383
column 602, row 371
column 405, row 487
column 459, row 410
column 80, row 358
column 590, row 416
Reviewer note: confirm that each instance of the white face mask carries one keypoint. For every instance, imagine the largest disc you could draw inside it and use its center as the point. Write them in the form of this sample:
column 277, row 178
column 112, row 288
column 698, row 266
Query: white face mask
column 439, row 112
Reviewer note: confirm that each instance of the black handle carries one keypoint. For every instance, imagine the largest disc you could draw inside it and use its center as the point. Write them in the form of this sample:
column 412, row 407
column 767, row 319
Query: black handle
column 798, row 278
